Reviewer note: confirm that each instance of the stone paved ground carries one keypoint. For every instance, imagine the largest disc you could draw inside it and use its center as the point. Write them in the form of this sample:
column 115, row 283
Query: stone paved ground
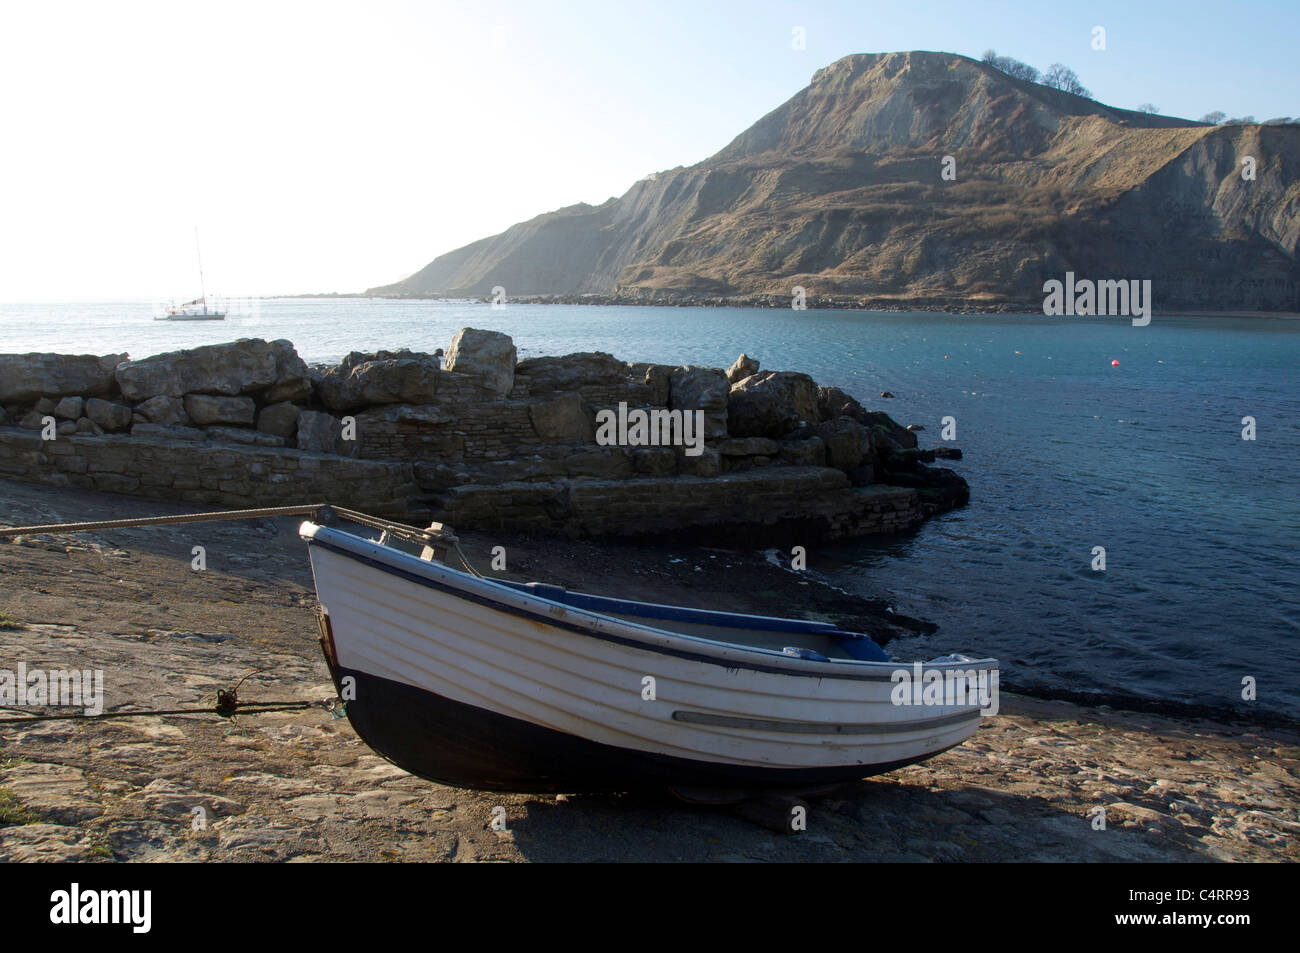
column 301, row 786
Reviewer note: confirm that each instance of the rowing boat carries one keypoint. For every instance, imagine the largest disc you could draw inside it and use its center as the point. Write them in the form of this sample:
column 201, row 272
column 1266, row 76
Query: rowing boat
column 495, row 685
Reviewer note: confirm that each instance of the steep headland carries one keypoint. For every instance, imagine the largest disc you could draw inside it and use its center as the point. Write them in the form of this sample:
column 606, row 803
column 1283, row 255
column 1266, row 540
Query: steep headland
column 841, row 190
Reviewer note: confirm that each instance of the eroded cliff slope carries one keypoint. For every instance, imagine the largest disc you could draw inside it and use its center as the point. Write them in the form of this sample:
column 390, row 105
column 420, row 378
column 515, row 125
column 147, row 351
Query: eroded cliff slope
column 840, row 190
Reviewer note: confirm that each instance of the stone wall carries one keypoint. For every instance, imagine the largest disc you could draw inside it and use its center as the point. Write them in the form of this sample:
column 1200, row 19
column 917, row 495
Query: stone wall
column 235, row 476
column 486, row 441
column 795, row 502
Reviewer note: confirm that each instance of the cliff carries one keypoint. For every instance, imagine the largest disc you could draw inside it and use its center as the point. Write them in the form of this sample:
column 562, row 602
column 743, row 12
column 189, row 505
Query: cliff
column 840, row 190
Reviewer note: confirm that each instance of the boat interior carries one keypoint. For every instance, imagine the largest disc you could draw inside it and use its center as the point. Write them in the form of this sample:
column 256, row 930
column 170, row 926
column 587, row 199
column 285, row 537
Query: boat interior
column 819, row 641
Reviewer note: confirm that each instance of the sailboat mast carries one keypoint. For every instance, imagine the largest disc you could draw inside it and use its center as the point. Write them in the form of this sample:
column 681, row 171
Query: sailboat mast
column 199, row 252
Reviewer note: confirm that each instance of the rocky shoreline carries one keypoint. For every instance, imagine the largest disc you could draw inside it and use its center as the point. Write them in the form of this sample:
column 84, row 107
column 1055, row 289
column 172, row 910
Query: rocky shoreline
column 300, row 786
column 829, row 302
column 823, row 302
column 481, row 439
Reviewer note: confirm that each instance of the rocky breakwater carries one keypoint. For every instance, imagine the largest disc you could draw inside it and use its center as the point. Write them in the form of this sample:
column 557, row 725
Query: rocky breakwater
column 485, row 441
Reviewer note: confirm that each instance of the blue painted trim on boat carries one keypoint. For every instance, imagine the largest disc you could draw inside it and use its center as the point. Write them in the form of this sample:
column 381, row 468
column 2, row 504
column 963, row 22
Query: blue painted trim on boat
column 859, row 645
column 655, row 610
column 792, row 670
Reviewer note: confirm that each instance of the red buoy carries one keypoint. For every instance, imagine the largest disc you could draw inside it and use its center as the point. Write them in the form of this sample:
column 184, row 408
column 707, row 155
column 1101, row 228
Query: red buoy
column 1114, row 363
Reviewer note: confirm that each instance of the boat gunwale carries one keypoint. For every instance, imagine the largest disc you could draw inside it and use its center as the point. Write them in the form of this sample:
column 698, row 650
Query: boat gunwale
column 504, row 597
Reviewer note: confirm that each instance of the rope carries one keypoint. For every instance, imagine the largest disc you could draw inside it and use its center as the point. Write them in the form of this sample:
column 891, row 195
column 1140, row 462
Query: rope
column 165, row 520
column 464, row 561
column 428, row 537
column 242, row 708
column 228, row 706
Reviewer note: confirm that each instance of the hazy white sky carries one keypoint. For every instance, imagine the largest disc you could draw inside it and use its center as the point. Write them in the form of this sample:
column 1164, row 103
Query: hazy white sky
column 331, row 146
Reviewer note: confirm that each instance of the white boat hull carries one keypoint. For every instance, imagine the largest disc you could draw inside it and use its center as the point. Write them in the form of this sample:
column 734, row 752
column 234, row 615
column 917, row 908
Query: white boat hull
column 479, row 684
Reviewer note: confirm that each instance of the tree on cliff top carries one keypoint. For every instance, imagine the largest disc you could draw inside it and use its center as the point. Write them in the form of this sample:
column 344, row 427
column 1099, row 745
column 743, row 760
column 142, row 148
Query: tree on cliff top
column 1012, row 67
column 1059, row 76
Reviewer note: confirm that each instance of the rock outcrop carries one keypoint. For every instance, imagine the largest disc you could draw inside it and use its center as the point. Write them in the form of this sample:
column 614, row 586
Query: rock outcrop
column 743, row 367
column 27, row 377
column 772, row 404
column 488, row 355
column 485, row 441
column 701, row 388
column 107, row 414
column 386, row 377
column 239, row 368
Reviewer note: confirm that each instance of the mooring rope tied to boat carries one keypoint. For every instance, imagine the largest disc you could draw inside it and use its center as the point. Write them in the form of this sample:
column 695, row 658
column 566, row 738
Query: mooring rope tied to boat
column 244, row 708
column 228, row 706
column 434, row 536
column 174, row 518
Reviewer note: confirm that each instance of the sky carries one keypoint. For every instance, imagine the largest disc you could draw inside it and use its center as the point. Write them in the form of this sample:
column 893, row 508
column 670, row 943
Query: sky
column 329, row 146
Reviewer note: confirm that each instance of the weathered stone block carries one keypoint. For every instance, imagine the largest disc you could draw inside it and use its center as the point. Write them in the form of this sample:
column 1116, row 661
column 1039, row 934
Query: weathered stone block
column 833, row 402
column 564, row 419
column 319, row 433
column 748, row 446
column 279, row 419
column 242, row 436
column 803, row 453
column 158, row 431
column 898, row 435
column 204, row 409
column 292, row 376
column 167, row 411
column 604, row 463
column 488, row 355
column 742, row 368
column 235, row 368
column 69, row 408
column 108, row 415
column 707, row 464
column 848, row 443
column 570, row 373
column 701, row 388
column 25, row 377
column 655, row 382
column 385, row 377
column 771, row 404
column 655, row 461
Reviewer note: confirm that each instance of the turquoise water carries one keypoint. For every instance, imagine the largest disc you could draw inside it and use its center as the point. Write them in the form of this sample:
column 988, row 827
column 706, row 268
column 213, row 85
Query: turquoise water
column 1063, row 451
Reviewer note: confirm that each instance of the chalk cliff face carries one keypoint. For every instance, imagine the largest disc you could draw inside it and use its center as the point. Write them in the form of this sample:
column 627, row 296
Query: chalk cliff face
column 841, row 190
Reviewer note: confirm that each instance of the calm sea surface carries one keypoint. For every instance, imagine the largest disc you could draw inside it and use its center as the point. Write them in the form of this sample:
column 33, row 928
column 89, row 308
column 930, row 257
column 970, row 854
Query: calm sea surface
column 1063, row 451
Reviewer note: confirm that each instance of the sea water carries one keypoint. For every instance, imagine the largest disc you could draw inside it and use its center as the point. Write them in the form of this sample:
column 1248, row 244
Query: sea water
column 1065, row 451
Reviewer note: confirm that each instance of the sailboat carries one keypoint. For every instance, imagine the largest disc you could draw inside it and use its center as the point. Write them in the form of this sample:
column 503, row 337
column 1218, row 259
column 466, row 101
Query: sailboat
column 190, row 310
